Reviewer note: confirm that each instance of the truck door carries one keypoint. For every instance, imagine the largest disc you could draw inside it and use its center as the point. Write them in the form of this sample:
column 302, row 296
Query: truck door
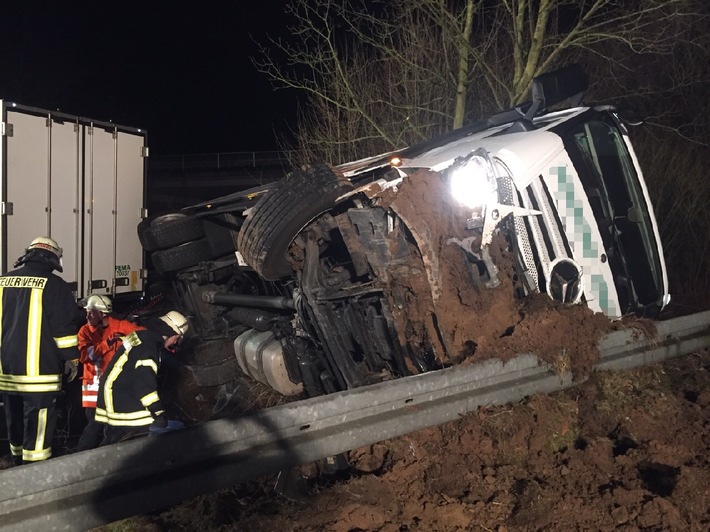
column 113, row 205
column 41, row 192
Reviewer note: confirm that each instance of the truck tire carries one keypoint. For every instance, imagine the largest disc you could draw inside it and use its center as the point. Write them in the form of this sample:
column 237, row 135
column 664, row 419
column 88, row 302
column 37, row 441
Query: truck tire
column 280, row 215
column 170, row 230
column 145, row 236
column 182, row 256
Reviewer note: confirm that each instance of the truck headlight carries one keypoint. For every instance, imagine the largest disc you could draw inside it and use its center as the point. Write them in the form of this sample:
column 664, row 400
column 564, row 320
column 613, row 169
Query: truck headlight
column 473, row 180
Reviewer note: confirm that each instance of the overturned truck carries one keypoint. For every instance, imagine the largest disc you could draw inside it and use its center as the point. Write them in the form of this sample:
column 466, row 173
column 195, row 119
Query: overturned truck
column 332, row 278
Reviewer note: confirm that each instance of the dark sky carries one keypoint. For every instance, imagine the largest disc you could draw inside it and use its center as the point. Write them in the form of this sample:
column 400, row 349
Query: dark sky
column 181, row 70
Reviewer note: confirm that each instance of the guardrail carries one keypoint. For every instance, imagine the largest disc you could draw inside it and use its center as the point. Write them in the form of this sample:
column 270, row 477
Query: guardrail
column 88, row 489
column 220, row 161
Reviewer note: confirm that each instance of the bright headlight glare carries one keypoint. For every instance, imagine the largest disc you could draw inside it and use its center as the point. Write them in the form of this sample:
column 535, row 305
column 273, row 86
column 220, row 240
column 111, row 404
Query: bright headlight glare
column 473, row 183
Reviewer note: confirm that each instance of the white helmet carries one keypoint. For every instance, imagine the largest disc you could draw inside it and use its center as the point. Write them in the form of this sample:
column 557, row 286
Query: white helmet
column 98, row 302
column 46, row 243
column 44, row 250
column 176, row 321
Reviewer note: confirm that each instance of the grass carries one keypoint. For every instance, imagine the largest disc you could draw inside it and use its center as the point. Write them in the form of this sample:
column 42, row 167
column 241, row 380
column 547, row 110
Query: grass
column 619, row 390
column 562, row 363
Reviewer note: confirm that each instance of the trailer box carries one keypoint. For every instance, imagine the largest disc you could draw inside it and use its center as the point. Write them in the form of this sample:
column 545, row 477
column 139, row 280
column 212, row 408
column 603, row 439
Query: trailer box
column 82, row 182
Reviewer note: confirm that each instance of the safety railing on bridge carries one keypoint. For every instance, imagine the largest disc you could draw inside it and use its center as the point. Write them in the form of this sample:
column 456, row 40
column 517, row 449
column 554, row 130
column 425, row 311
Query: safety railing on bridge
column 221, row 161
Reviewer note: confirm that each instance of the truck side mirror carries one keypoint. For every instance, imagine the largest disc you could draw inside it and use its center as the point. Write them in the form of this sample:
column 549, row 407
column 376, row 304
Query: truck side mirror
column 568, row 83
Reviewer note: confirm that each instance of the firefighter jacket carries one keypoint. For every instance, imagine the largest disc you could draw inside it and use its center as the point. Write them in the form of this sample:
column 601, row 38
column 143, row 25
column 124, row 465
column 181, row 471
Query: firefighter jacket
column 96, row 351
column 37, row 329
column 128, row 389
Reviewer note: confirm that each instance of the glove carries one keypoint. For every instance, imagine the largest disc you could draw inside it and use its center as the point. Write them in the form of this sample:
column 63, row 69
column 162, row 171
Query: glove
column 115, row 338
column 160, row 421
column 71, row 368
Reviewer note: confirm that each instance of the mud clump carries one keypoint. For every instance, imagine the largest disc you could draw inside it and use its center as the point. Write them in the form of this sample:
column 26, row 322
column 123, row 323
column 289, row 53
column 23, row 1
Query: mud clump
column 465, row 318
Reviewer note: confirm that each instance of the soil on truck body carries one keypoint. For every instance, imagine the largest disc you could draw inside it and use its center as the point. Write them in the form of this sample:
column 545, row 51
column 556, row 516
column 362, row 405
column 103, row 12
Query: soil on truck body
column 475, row 321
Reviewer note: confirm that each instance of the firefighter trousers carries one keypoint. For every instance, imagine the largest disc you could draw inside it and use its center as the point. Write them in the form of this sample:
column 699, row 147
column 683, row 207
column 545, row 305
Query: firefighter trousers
column 93, row 432
column 31, row 420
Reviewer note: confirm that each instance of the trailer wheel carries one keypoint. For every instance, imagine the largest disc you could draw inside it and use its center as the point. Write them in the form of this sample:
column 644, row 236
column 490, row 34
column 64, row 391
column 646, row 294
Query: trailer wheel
column 280, row 215
column 169, row 230
column 182, row 256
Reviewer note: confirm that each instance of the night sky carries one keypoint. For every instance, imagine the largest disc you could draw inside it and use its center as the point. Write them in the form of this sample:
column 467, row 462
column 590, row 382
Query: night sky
column 180, row 70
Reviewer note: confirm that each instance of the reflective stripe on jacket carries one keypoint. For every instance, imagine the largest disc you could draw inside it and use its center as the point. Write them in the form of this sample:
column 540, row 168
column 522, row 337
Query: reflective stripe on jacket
column 37, row 329
column 129, row 386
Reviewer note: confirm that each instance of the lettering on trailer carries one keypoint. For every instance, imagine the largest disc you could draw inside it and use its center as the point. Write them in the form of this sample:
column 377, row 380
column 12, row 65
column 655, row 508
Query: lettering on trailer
column 23, row 282
column 123, row 270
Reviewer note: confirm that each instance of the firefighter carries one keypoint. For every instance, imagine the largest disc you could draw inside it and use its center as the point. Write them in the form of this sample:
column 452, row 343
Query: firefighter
column 99, row 339
column 128, row 399
column 38, row 340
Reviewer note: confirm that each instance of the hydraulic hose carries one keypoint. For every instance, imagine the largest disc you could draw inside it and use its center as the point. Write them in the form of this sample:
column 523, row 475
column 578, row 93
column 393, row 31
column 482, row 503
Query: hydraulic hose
column 244, row 300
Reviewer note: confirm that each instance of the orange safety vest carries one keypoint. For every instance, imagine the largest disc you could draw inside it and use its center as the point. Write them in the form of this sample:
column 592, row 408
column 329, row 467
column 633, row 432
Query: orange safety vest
column 95, row 354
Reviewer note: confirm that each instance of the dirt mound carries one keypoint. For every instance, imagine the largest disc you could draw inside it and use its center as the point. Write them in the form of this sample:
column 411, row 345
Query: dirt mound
column 626, row 451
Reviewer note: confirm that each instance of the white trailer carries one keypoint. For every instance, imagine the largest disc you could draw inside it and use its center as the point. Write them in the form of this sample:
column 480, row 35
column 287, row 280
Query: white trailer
column 81, row 182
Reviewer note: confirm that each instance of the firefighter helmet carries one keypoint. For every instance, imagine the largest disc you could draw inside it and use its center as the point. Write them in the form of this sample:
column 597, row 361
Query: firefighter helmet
column 43, row 250
column 49, row 244
column 176, row 321
column 98, row 302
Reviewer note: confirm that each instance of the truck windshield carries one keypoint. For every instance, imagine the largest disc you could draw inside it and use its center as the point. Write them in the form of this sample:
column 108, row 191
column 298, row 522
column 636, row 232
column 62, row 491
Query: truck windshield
column 612, row 184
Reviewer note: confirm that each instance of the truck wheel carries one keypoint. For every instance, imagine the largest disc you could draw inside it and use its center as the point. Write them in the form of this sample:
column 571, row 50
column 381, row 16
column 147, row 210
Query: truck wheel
column 146, row 236
column 170, row 230
column 182, row 256
column 280, row 215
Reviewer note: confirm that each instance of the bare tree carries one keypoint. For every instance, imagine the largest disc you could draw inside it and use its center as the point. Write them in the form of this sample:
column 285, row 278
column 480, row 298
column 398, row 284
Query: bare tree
column 380, row 75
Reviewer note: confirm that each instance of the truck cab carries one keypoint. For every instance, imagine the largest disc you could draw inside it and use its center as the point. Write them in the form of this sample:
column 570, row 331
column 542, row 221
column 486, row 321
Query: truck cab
column 333, row 277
